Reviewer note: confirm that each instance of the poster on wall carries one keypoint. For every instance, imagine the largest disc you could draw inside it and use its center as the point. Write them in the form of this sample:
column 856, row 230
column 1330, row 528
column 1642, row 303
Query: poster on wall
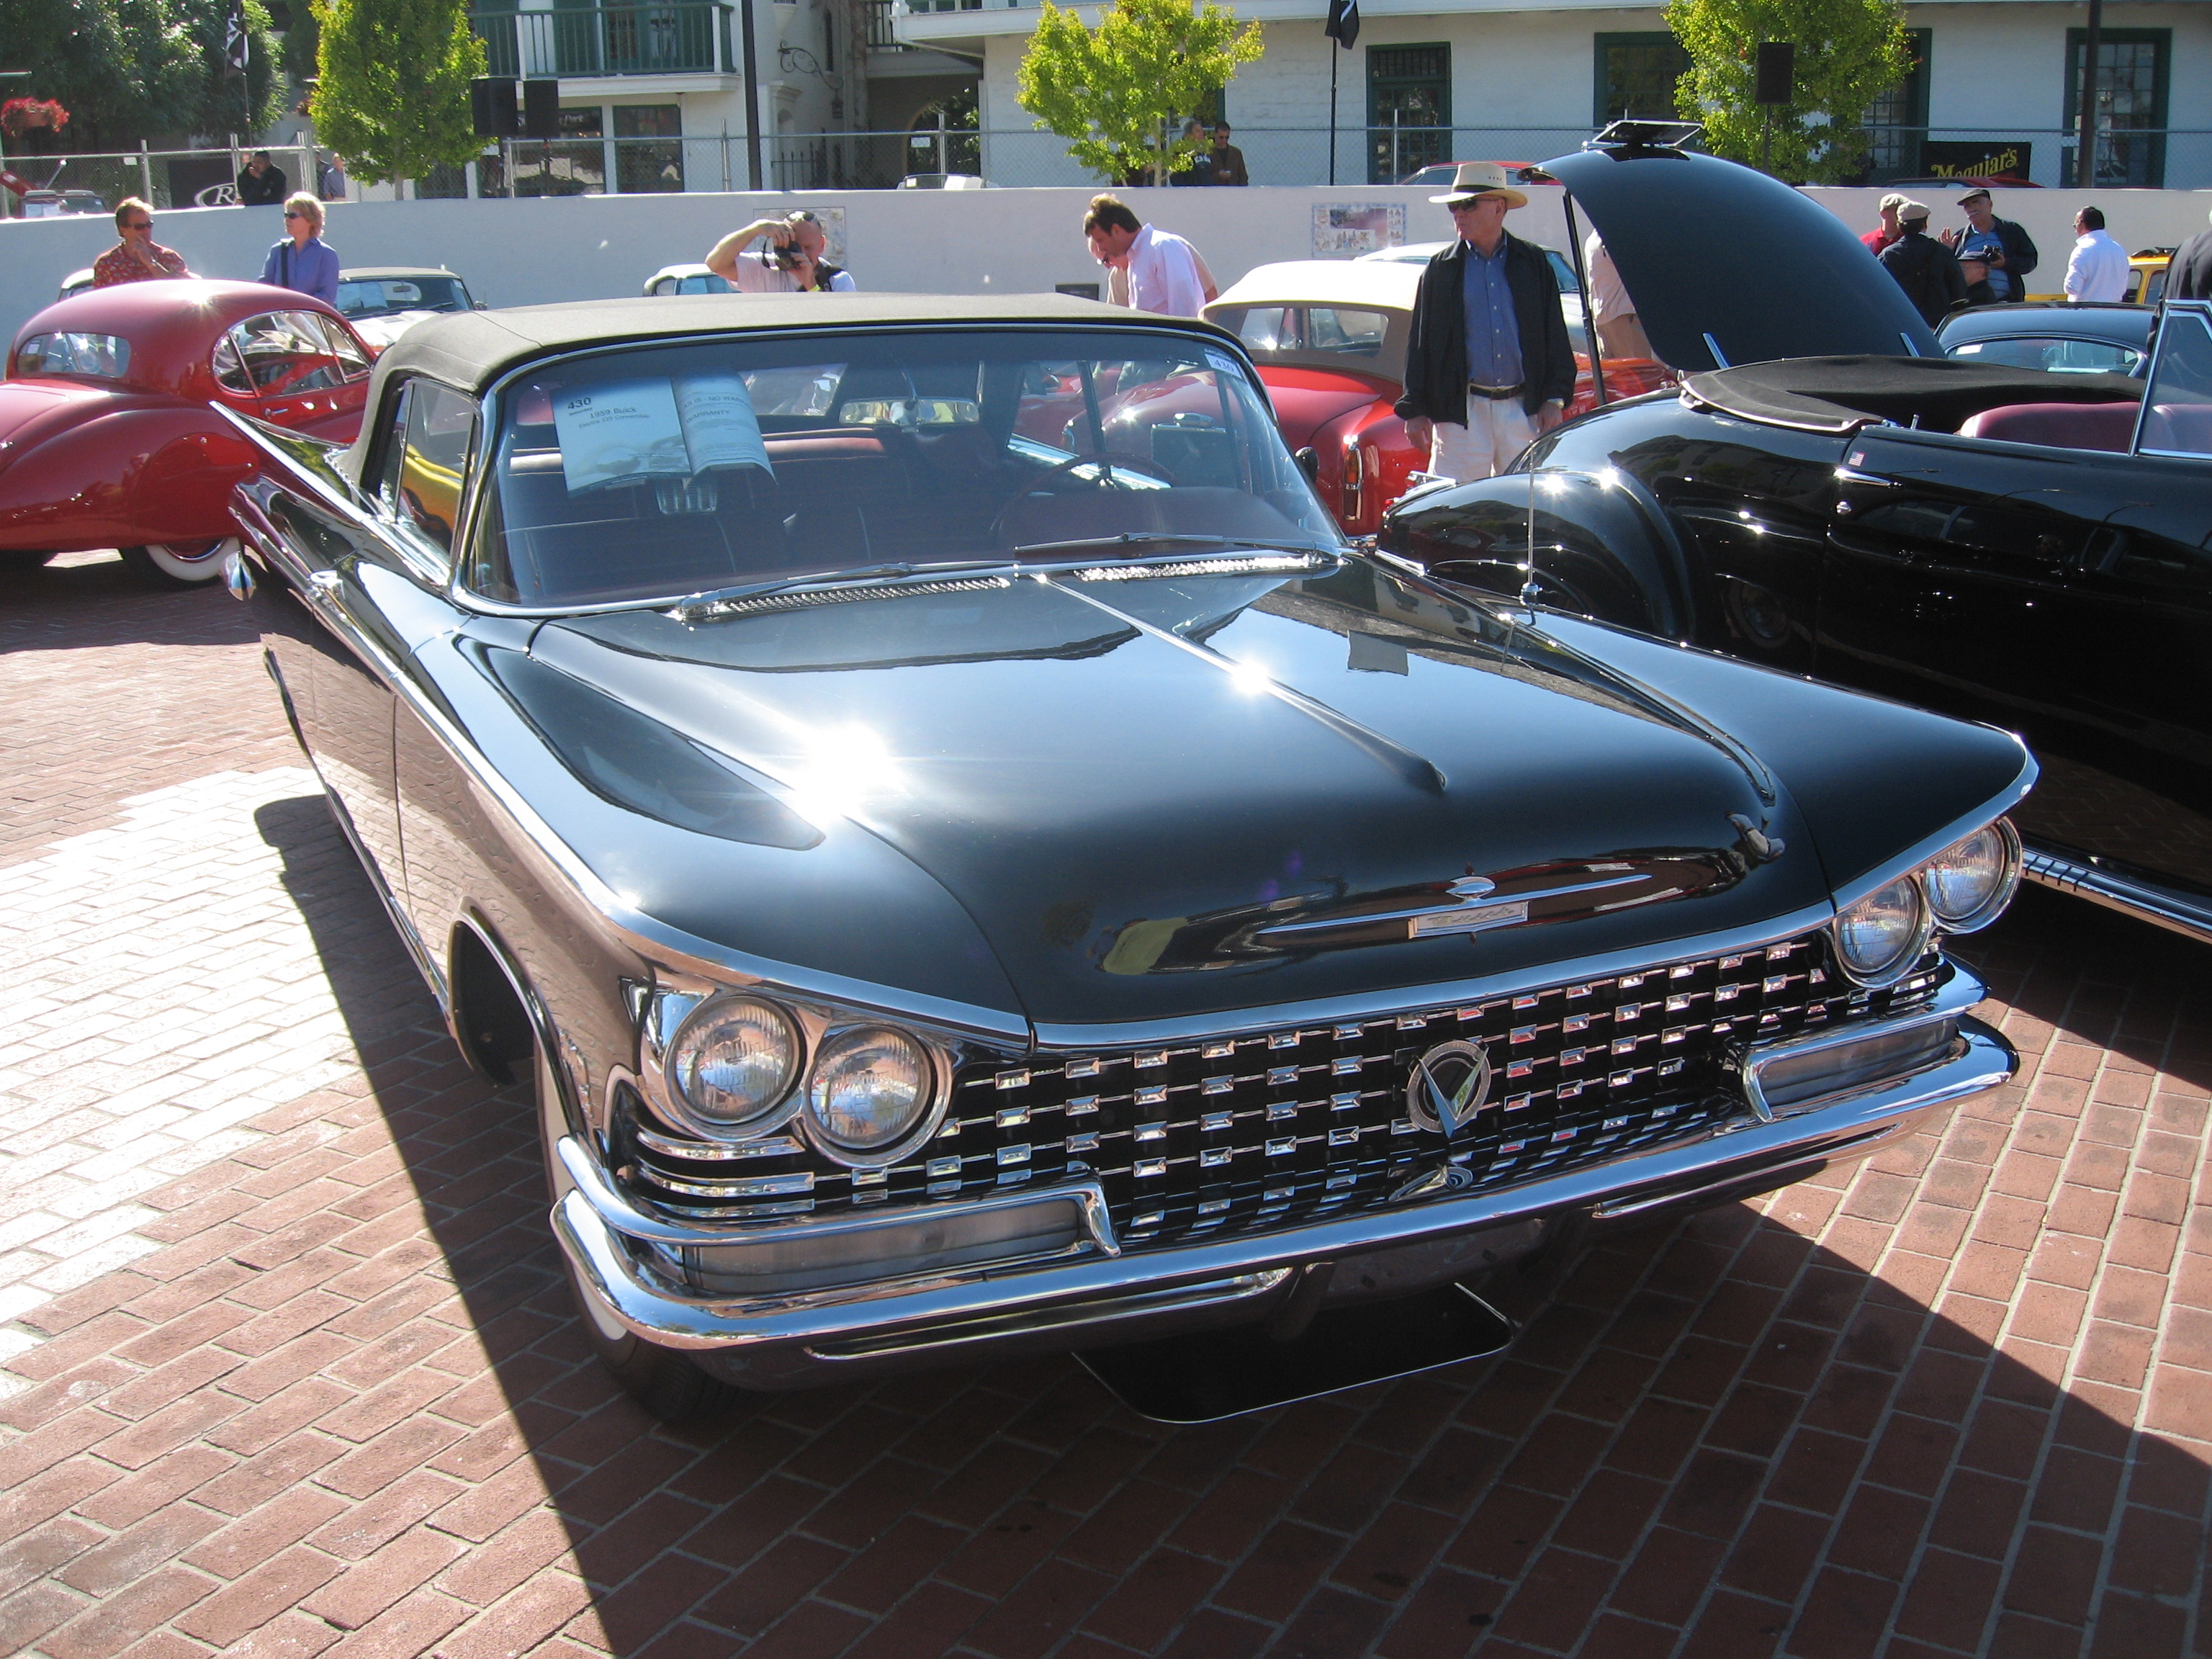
column 1345, row 233
column 1945, row 158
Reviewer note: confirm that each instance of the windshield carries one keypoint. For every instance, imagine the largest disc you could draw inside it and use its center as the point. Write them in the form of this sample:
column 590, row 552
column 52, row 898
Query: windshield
column 661, row 471
column 2058, row 355
column 381, row 296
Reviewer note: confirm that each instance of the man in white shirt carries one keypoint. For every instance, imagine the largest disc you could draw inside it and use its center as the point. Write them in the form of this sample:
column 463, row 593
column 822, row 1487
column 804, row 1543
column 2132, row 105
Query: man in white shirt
column 1607, row 305
column 1163, row 269
column 788, row 263
column 2098, row 267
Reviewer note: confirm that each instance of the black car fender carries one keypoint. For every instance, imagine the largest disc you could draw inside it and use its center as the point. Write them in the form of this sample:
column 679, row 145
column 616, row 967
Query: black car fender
column 1604, row 547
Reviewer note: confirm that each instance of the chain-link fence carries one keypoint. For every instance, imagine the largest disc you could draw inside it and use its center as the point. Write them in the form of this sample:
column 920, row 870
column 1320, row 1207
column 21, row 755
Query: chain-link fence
column 166, row 178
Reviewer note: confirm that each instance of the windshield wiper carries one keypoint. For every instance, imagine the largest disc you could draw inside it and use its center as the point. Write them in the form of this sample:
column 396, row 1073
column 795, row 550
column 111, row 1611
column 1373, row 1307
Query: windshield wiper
column 694, row 606
column 1133, row 538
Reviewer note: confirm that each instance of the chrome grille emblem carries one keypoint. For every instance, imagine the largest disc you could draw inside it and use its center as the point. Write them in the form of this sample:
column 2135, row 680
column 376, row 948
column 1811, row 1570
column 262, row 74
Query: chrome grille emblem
column 1450, row 1083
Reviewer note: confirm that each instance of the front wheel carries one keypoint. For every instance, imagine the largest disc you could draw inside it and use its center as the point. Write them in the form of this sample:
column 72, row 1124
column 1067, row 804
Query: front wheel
column 666, row 1381
column 179, row 564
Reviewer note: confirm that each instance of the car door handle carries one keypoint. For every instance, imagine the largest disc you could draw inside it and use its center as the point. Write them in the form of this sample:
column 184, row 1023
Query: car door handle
column 1851, row 475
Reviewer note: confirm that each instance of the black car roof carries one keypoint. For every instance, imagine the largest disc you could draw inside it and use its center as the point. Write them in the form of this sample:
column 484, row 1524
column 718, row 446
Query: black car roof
column 1840, row 394
column 2122, row 324
column 471, row 349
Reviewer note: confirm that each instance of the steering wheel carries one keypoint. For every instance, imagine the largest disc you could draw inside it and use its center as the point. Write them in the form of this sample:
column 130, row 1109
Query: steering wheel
column 1032, row 486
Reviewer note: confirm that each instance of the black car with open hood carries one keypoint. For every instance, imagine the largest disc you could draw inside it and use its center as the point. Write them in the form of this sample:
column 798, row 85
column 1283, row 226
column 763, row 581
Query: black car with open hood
column 2016, row 533
column 975, row 863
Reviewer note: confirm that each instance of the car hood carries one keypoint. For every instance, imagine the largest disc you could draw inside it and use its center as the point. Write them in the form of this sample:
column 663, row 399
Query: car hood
column 1715, row 254
column 1169, row 797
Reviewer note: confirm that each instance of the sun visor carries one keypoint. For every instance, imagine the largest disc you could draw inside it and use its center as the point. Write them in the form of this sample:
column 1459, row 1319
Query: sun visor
column 1728, row 266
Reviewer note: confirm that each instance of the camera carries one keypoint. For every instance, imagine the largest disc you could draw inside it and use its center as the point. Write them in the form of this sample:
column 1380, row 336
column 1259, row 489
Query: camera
column 785, row 254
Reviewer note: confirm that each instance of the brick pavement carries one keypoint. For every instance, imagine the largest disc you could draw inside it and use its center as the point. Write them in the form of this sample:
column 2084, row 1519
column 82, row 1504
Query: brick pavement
column 1960, row 1402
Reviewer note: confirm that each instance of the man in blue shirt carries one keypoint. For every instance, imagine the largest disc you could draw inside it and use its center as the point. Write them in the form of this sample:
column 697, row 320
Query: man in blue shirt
column 1489, row 366
column 303, row 260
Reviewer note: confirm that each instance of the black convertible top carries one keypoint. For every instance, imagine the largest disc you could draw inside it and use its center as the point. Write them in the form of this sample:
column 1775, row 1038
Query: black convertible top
column 1841, row 394
column 471, row 349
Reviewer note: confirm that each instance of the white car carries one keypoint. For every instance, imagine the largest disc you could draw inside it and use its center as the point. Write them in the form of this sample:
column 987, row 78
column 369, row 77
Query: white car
column 1563, row 268
column 684, row 279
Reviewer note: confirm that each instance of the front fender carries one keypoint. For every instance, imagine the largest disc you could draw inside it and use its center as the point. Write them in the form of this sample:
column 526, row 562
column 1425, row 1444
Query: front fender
column 1604, row 547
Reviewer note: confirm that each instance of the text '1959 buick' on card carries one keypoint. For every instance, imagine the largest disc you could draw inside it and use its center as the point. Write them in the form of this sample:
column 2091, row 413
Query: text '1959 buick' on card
column 970, row 875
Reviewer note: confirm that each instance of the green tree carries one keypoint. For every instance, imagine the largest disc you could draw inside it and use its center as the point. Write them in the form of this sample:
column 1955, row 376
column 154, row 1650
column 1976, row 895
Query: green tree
column 128, row 69
column 1116, row 93
column 393, row 95
column 1849, row 53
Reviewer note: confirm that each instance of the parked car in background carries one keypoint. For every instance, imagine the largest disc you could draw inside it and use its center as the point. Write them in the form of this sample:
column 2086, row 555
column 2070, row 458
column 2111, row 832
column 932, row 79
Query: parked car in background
column 2146, row 278
column 1329, row 338
column 944, row 181
column 684, row 279
column 77, row 282
column 382, row 302
column 960, row 894
column 108, row 434
column 2061, row 336
column 2008, row 534
column 1437, row 175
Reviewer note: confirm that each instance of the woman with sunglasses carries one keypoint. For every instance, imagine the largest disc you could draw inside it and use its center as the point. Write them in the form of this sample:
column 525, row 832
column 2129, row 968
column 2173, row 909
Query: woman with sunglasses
column 303, row 260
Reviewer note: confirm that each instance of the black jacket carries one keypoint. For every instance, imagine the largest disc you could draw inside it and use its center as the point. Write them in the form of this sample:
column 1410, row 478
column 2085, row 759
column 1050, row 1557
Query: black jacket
column 2190, row 275
column 267, row 191
column 1436, row 353
column 1928, row 273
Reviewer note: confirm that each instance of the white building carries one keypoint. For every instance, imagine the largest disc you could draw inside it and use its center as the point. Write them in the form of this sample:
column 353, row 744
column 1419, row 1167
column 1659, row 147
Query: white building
column 1437, row 80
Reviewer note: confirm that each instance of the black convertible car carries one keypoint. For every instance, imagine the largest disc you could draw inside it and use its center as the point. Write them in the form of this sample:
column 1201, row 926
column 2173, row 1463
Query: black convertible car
column 2027, row 545
column 962, row 892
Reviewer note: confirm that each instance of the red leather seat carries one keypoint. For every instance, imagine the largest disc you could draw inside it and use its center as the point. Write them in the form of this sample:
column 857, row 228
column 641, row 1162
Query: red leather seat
column 2060, row 426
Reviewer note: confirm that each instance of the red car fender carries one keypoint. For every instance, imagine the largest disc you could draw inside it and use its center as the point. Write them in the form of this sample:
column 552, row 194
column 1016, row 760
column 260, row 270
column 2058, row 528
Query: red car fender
column 157, row 471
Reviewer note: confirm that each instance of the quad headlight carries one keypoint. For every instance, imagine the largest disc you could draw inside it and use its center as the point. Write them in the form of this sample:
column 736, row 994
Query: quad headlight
column 1878, row 938
column 869, row 1087
column 738, row 1067
column 1970, row 883
column 1965, row 887
column 733, row 1062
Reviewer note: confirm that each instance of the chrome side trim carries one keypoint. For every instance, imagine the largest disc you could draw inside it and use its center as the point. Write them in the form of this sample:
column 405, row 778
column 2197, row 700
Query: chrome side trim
column 1953, row 999
column 2161, row 907
column 907, row 1314
column 1213, row 1293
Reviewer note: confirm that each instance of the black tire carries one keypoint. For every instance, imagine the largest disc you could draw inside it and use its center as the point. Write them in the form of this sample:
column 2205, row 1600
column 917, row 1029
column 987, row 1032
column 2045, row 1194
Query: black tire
column 666, row 1381
column 179, row 566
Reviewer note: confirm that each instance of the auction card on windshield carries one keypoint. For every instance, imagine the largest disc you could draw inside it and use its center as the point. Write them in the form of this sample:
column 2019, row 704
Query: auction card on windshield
column 719, row 426
column 619, row 430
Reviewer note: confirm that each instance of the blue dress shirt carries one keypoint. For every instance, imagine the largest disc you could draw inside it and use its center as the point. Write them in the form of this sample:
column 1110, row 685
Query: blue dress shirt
column 310, row 269
column 1493, row 332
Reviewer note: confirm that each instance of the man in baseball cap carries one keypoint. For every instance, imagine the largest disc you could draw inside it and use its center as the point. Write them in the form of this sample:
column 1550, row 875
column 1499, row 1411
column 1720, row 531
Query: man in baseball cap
column 1887, row 232
column 1996, row 253
column 1488, row 367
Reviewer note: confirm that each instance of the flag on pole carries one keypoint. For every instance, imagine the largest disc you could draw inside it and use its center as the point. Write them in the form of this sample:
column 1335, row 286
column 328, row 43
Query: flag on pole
column 1343, row 24
column 234, row 39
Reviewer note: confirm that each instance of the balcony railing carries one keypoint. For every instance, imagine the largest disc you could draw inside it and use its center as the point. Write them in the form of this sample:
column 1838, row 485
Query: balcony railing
column 686, row 36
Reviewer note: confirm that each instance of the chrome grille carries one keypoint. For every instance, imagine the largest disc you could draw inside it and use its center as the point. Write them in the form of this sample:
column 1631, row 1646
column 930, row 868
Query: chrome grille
column 1270, row 1129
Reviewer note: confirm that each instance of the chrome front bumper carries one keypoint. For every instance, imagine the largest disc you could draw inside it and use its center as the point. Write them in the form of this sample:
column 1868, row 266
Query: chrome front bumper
column 1089, row 1293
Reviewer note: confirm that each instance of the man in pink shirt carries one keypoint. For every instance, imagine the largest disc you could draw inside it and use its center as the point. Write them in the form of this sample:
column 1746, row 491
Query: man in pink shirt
column 1163, row 270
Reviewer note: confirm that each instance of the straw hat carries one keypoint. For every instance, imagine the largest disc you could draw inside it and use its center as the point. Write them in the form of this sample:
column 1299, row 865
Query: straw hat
column 1478, row 179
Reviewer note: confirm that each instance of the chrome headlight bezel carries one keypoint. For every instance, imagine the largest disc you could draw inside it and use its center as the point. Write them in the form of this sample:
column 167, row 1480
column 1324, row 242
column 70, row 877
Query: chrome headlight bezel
column 1917, row 939
column 936, row 1072
column 1999, row 898
column 782, row 1106
column 668, row 1010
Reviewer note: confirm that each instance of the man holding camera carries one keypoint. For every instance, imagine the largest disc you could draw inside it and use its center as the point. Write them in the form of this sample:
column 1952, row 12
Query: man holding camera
column 790, row 262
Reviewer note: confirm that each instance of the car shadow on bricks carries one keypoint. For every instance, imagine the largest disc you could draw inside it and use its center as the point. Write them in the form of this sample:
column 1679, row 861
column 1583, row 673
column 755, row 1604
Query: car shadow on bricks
column 1956, row 1401
column 87, row 601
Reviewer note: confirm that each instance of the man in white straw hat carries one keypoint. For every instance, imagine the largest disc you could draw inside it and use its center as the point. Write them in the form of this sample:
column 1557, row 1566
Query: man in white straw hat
column 1488, row 366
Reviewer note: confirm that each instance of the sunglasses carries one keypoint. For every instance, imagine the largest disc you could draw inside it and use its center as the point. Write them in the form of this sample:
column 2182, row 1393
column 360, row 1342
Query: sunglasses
column 140, row 224
column 293, row 214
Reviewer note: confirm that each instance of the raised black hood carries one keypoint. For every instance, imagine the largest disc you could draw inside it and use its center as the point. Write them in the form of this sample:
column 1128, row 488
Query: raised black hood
column 1713, row 253
column 1166, row 797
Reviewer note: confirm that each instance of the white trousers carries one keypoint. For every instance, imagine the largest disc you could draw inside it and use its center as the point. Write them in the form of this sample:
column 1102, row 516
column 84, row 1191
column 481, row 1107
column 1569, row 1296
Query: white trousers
column 1497, row 430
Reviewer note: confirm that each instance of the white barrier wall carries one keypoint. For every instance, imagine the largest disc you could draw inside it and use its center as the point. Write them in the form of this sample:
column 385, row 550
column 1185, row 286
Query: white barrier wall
column 986, row 241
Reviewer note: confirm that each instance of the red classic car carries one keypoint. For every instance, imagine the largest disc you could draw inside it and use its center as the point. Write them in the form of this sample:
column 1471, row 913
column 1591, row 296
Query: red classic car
column 108, row 434
column 1329, row 338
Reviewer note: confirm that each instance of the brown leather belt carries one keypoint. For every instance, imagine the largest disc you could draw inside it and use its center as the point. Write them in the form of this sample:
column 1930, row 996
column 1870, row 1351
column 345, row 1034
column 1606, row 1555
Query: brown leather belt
column 1495, row 392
